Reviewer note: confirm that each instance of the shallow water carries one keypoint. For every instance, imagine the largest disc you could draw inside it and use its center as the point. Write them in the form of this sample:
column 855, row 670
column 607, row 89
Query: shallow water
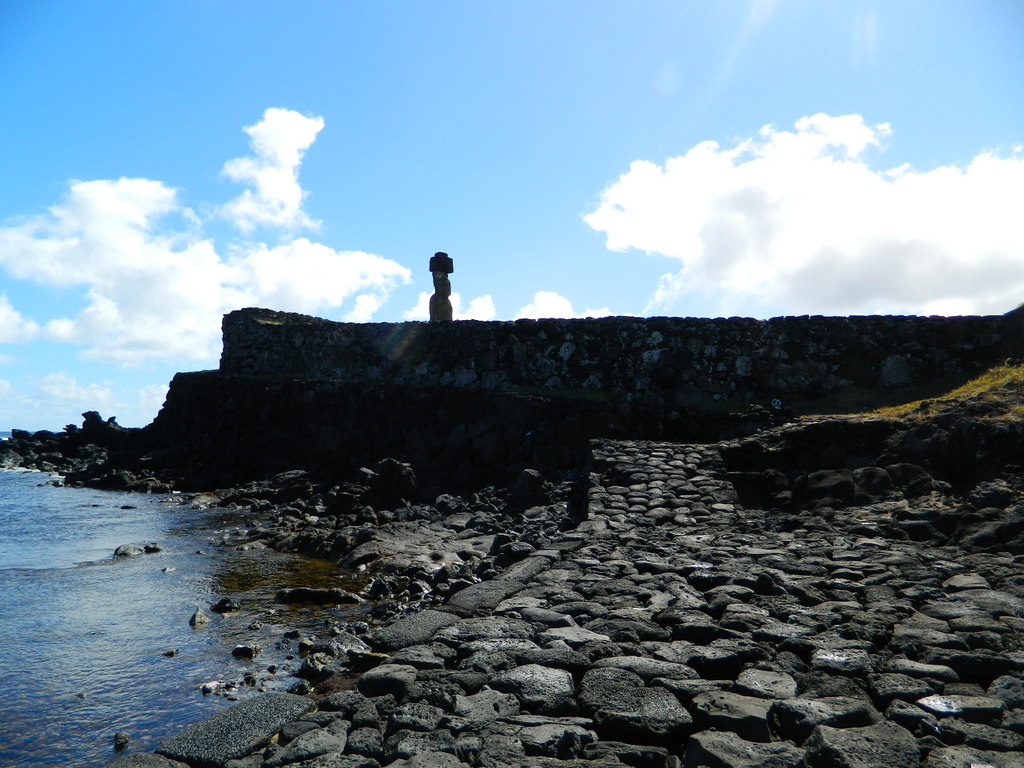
column 83, row 636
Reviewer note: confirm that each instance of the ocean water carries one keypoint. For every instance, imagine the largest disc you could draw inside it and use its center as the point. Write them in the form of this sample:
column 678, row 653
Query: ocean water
column 85, row 638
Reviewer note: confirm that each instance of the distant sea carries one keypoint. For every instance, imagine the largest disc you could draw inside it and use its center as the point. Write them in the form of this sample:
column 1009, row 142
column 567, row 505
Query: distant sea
column 90, row 645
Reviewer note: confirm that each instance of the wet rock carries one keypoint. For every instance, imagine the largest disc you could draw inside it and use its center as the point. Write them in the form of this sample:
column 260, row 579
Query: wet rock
column 226, row 605
column 248, row 652
column 199, row 618
column 312, row 596
column 127, row 550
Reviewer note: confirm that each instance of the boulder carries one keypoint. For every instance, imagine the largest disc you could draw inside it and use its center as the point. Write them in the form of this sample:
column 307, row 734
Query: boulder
column 538, row 688
column 796, row 719
column 746, row 716
column 721, row 749
column 236, row 732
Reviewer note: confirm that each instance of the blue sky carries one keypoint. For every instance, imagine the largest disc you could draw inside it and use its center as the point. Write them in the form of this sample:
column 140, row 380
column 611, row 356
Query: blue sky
column 166, row 162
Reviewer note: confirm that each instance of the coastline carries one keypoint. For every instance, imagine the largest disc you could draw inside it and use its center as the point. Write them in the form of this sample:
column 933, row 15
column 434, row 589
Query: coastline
column 668, row 624
column 826, row 590
column 668, row 604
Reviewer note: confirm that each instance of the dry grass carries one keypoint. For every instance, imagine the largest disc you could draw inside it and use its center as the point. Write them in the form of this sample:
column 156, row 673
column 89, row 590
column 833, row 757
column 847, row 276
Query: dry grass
column 1001, row 383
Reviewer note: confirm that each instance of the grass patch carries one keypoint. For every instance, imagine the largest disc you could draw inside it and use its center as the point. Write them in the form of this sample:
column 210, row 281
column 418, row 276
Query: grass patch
column 991, row 385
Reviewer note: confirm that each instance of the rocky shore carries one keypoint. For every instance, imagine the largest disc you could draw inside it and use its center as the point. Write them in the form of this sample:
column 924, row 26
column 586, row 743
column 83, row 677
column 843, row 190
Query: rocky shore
column 841, row 591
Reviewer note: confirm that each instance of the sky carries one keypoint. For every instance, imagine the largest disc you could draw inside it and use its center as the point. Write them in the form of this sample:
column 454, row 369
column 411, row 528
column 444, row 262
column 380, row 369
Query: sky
column 168, row 161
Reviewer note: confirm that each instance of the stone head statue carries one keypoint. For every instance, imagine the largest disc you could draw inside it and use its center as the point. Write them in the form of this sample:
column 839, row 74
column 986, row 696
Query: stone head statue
column 441, row 265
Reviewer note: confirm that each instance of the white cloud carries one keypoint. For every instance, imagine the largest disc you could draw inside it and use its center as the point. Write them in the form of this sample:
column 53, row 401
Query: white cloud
column 151, row 398
column 798, row 222
column 551, row 304
column 154, row 287
column 480, row 308
column 65, row 389
column 13, row 325
column 58, row 398
column 278, row 143
column 303, row 276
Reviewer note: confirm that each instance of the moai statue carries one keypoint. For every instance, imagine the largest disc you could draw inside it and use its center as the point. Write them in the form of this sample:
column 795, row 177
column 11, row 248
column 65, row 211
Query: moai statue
column 441, row 266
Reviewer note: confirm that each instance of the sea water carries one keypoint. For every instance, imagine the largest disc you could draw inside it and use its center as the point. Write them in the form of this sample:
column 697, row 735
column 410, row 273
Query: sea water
column 91, row 644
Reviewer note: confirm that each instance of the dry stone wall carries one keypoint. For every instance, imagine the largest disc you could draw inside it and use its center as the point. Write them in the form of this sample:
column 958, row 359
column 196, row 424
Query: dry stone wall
column 663, row 361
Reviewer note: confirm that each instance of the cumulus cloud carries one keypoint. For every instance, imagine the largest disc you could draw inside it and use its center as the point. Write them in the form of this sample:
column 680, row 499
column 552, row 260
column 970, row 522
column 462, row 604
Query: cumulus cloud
column 799, row 222
column 551, row 304
column 479, row 308
column 66, row 389
column 59, row 398
column 150, row 399
column 278, row 143
column 13, row 325
column 154, row 287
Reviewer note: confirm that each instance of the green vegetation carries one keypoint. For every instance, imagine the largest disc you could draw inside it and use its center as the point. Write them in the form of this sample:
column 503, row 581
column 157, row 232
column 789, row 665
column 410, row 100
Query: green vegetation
column 1003, row 383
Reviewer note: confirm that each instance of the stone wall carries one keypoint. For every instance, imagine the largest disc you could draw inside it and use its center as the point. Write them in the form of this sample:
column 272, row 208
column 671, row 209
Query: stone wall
column 664, row 361
column 473, row 402
column 227, row 428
